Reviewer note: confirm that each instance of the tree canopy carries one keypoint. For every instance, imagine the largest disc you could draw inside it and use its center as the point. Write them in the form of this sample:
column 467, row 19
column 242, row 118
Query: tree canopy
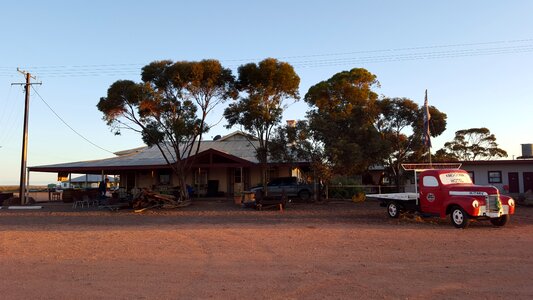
column 342, row 116
column 401, row 125
column 169, row 107
column 264, row 87
column 473, row 144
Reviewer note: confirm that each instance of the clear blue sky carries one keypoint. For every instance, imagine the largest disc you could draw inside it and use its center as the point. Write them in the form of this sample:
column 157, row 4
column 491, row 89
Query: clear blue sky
column 474, row 57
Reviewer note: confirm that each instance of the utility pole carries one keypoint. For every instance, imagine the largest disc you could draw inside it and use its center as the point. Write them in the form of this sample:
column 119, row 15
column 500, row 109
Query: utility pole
column 27, row 84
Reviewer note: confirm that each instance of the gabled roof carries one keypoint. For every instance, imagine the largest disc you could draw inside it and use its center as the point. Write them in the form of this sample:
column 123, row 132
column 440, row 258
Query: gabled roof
column 234, row 145
column 237, row 136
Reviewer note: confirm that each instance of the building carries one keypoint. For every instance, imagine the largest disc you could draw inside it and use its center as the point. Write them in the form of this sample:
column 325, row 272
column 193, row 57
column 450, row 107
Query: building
column 513, row 176
column 224, row 166
column 88, row 181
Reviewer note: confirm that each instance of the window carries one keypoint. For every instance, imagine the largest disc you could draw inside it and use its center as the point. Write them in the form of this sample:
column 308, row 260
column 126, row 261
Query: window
column 495, row 176
column 164, row 177
column 471, row 174
column 430, row 181
column 237, row 175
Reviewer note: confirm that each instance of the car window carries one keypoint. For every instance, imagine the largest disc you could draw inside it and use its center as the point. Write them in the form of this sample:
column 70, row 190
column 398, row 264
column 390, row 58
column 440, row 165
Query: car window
column 274, row 182
column 430, row 181
column 288, row 181
column 283, row 181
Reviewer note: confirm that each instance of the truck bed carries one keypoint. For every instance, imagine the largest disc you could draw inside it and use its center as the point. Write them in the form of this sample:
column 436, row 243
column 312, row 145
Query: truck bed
column 395, row 196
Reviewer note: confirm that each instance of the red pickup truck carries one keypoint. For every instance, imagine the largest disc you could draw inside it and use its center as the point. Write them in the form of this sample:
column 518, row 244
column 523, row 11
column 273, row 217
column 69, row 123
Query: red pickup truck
column 443, row 192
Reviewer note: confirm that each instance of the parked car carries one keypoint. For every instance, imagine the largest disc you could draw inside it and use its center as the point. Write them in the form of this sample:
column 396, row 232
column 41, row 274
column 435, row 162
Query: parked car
column 290, row 186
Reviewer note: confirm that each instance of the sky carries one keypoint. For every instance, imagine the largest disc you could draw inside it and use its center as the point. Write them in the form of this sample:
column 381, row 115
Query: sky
column 474, row 58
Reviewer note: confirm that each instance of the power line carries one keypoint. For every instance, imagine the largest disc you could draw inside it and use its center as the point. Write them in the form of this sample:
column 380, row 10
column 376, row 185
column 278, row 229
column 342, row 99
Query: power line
column 70, row 127
column 448, row 51
column 9, row 121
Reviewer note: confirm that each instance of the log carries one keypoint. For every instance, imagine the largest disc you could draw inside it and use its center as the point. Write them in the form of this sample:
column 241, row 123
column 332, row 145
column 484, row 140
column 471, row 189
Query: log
column 148, row 200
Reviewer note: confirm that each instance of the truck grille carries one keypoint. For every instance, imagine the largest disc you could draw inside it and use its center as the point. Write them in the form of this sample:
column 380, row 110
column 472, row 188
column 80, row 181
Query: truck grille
column 494, row 203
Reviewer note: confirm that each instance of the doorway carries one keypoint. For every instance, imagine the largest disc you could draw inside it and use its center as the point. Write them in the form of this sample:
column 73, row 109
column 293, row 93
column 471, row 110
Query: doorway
column 513, row 182
column 528, row 181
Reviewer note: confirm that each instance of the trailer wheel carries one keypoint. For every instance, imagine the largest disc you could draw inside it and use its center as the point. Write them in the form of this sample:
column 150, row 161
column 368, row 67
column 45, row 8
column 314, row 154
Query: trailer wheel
column 393, row 209
column 501, row 221
column 459, row 218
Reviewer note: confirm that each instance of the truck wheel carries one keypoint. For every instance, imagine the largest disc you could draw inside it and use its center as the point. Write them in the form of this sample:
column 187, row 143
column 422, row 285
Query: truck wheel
column 501, row 221
column 459, row 218
column 393, row 209
column 305, row 195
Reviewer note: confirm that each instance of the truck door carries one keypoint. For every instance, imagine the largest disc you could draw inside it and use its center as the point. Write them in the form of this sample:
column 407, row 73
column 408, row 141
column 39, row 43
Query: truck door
column 430, row 195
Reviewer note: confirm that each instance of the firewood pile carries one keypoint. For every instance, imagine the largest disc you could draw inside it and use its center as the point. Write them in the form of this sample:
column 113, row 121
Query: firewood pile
column 146, row 199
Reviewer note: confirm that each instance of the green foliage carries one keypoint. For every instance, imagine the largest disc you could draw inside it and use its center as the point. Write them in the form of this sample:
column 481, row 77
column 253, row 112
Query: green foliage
column 437, row 126
column 293, row 144
column 169, row 107
column 400, row 123
column 346, row 180
column 472, row 144
column 443, row 156
column 342, row 118
column 264, row 87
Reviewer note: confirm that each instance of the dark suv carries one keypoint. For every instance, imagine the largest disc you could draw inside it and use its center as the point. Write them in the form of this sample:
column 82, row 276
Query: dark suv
column 290, row 186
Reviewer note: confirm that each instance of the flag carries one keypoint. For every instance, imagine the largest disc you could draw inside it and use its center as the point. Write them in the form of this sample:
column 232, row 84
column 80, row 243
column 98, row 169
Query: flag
column 427, row 118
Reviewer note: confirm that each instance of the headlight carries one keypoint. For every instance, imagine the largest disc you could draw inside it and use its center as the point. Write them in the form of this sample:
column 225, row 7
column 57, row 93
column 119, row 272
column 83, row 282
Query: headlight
column 475, row 204
column 510, row 202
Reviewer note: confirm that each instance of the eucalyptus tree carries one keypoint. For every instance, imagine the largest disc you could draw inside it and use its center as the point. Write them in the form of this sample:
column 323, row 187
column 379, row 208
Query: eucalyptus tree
column 342, row 117
column 296, row 143
column 474, row 144
column 263, row 88
column 169, row 108
column 400, row 123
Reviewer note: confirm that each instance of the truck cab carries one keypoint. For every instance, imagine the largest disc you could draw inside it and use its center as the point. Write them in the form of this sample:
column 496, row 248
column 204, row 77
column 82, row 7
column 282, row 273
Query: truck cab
column 443, row 192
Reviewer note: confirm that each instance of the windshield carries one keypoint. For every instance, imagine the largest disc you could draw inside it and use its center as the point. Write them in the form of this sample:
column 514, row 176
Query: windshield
column 455, row 178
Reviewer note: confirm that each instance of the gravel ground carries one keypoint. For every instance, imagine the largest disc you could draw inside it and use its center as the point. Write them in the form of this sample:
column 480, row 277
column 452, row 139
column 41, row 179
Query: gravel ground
column 214, row 249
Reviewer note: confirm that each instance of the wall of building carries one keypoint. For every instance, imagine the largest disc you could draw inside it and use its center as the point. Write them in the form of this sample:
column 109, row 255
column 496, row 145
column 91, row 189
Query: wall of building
column 481, row 173
column 144, row 179
column 150, row 179
column 255, row 177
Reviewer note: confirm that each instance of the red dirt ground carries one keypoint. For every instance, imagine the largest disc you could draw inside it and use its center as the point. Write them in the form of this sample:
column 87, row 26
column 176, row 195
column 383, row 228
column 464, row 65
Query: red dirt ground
column 214, row 249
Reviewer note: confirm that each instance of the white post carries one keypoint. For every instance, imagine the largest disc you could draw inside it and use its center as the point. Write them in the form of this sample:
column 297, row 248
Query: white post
column 416, row 187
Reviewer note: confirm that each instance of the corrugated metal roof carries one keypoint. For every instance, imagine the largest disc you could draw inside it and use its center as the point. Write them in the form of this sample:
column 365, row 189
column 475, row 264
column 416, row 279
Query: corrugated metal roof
column 152, row 157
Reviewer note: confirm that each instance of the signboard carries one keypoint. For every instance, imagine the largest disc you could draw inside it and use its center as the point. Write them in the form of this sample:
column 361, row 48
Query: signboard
column 455, row 178
column 430, row 197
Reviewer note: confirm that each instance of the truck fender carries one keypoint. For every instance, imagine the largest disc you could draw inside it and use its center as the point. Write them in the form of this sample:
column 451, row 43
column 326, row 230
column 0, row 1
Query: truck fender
column 463, row 202
column 505, row 201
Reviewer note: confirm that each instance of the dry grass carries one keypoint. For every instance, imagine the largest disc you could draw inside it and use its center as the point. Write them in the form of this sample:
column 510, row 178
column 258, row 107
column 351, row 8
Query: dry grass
column 15, row 188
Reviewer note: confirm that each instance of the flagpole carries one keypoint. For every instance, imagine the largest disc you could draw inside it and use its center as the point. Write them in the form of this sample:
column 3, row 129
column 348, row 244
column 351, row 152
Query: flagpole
column 429, row 153
column 427, row 135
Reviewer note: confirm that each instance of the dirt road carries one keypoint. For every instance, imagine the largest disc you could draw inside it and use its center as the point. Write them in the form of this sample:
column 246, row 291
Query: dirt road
column 215, row 250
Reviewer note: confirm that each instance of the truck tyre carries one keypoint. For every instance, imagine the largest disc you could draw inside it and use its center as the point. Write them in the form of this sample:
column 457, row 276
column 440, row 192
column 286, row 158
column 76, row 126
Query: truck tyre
column 393, row 209
column 459, row 218
column 501, row 221
column 305, row 195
